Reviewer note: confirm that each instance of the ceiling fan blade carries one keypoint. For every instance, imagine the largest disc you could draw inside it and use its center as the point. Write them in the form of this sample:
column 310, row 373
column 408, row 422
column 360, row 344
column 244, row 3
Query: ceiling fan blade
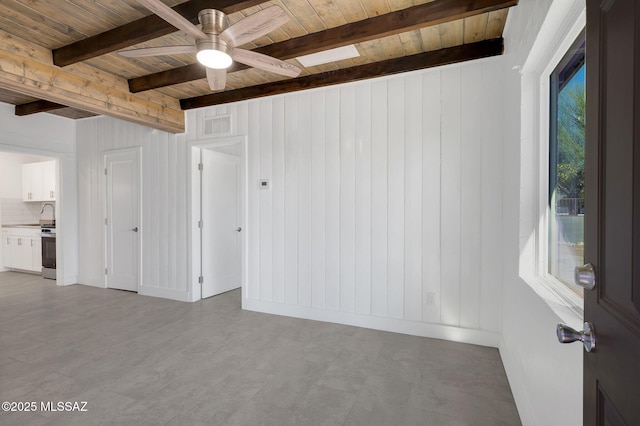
column 173, row 17
column 255, row 26
column 156, row 51
column 264, row 62
column 217, row 79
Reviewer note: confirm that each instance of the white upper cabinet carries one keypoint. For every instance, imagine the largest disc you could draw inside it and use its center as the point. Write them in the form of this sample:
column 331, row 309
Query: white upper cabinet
column 39, row 181
column 48, row 181
column 31, row 182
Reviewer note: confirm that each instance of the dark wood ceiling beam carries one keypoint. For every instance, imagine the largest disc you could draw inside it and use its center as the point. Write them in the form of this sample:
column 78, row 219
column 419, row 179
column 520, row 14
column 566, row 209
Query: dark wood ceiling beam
column 451, row 55
column 173, row 76
column 415, row 17
column 424, row 15
column 141, row 30
column 36, row 107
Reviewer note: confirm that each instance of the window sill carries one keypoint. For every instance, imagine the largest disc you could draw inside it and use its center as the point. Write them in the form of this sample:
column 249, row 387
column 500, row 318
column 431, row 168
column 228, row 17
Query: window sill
column 568, row 306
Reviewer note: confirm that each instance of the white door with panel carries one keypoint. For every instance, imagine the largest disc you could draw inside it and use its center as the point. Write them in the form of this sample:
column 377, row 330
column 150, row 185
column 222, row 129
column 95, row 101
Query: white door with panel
column 222, row 225
column 122, row 224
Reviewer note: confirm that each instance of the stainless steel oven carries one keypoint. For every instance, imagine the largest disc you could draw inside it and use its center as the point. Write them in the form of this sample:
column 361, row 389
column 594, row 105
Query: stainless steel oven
column 48, row 235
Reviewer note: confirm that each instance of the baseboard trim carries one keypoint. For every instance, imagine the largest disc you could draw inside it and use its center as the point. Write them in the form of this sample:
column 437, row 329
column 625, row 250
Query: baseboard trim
column 68, row 280
column 165, row 293
column 97, row 282
column 414, row 328
column 518, row 386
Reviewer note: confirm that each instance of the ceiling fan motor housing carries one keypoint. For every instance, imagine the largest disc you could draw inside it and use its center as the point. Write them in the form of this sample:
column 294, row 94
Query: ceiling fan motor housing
column 213, row 23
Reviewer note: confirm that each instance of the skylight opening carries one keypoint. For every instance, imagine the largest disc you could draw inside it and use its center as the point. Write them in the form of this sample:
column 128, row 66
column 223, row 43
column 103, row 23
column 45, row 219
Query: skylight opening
column 331, row 55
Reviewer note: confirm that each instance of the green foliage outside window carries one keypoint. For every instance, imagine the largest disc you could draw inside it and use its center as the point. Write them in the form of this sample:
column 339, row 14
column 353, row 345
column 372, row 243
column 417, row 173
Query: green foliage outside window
column 570, row 160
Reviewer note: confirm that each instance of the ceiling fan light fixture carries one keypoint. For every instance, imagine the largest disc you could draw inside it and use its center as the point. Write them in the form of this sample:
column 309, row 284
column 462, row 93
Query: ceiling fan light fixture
column 212, row 58
column 214, row 54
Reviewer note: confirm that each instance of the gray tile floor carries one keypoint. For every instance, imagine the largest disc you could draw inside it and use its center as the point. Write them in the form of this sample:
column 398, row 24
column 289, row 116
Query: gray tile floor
column 140, row 360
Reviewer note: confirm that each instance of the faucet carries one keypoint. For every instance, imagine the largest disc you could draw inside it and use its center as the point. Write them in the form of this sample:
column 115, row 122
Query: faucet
column 53, row 209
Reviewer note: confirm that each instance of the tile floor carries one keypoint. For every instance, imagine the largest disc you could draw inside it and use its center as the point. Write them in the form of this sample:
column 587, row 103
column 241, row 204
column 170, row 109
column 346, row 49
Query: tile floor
column 140, row 360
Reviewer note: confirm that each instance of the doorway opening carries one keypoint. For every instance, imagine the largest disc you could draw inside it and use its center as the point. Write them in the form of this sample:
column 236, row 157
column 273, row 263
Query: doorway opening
column 218, row 213
column 30, row 214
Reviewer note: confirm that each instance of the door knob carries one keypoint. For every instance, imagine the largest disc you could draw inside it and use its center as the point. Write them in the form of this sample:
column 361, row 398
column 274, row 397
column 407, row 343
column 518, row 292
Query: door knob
column 587, row 336
column 585, row 276
column 134, row 229
column 239, row 229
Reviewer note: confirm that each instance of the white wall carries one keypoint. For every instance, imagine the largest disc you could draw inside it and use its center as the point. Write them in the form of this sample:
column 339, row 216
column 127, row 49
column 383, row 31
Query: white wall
column 545, row 376
column 164, row 206
column 11, row 172
column 50, row 136
column 11, row 175
column 382, row 192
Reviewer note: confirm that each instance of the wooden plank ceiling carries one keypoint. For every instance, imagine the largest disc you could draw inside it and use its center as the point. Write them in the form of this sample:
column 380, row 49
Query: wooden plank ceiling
column 64, row 52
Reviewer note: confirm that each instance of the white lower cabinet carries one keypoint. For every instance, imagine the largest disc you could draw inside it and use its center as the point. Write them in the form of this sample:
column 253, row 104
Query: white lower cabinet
column 8, row 242
column 36, row 253
column 22, row 249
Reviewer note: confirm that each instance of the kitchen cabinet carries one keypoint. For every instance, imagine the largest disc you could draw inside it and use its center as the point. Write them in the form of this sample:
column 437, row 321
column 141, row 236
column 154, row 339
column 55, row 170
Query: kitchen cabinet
column 22, row 253
column 7, row 260
column 31, row 182
column 39, row 181
column 48, row 180
column 22, row 249
column 36, row 253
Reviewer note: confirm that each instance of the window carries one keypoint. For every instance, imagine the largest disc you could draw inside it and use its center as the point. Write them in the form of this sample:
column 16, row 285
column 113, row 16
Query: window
column 566, row 166
column 548, row 248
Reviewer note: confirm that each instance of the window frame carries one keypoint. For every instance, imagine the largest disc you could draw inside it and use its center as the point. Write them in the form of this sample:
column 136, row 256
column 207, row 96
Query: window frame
column 559, row 32
column 569, row 59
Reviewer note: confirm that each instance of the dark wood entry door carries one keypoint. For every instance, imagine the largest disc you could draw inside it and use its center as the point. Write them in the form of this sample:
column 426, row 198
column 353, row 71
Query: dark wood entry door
column 612, row 220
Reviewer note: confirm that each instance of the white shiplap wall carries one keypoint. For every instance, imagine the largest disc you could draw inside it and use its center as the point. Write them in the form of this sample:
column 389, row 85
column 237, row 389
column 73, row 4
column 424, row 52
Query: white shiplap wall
column 164, row 206
column 385, row 206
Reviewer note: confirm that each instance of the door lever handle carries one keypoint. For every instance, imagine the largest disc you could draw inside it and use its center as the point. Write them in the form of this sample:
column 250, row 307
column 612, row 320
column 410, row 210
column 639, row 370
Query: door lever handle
column 587, row 336
column 239, row 229
column 134, row 229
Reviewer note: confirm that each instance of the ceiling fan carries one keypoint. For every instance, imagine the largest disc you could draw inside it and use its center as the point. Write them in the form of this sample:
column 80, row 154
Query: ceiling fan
column 215, row 45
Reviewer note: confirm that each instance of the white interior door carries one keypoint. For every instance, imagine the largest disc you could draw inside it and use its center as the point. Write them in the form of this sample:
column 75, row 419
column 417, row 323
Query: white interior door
column 122, row 225
column 221, row 223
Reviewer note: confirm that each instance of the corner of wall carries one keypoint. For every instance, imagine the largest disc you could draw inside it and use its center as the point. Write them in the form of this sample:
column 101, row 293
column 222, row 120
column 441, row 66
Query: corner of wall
column 517, row 383
column 165, row 293
column 540, row 371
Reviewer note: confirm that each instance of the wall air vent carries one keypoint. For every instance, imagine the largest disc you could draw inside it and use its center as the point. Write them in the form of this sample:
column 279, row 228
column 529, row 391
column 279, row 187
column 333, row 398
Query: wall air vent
column 217, row 126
